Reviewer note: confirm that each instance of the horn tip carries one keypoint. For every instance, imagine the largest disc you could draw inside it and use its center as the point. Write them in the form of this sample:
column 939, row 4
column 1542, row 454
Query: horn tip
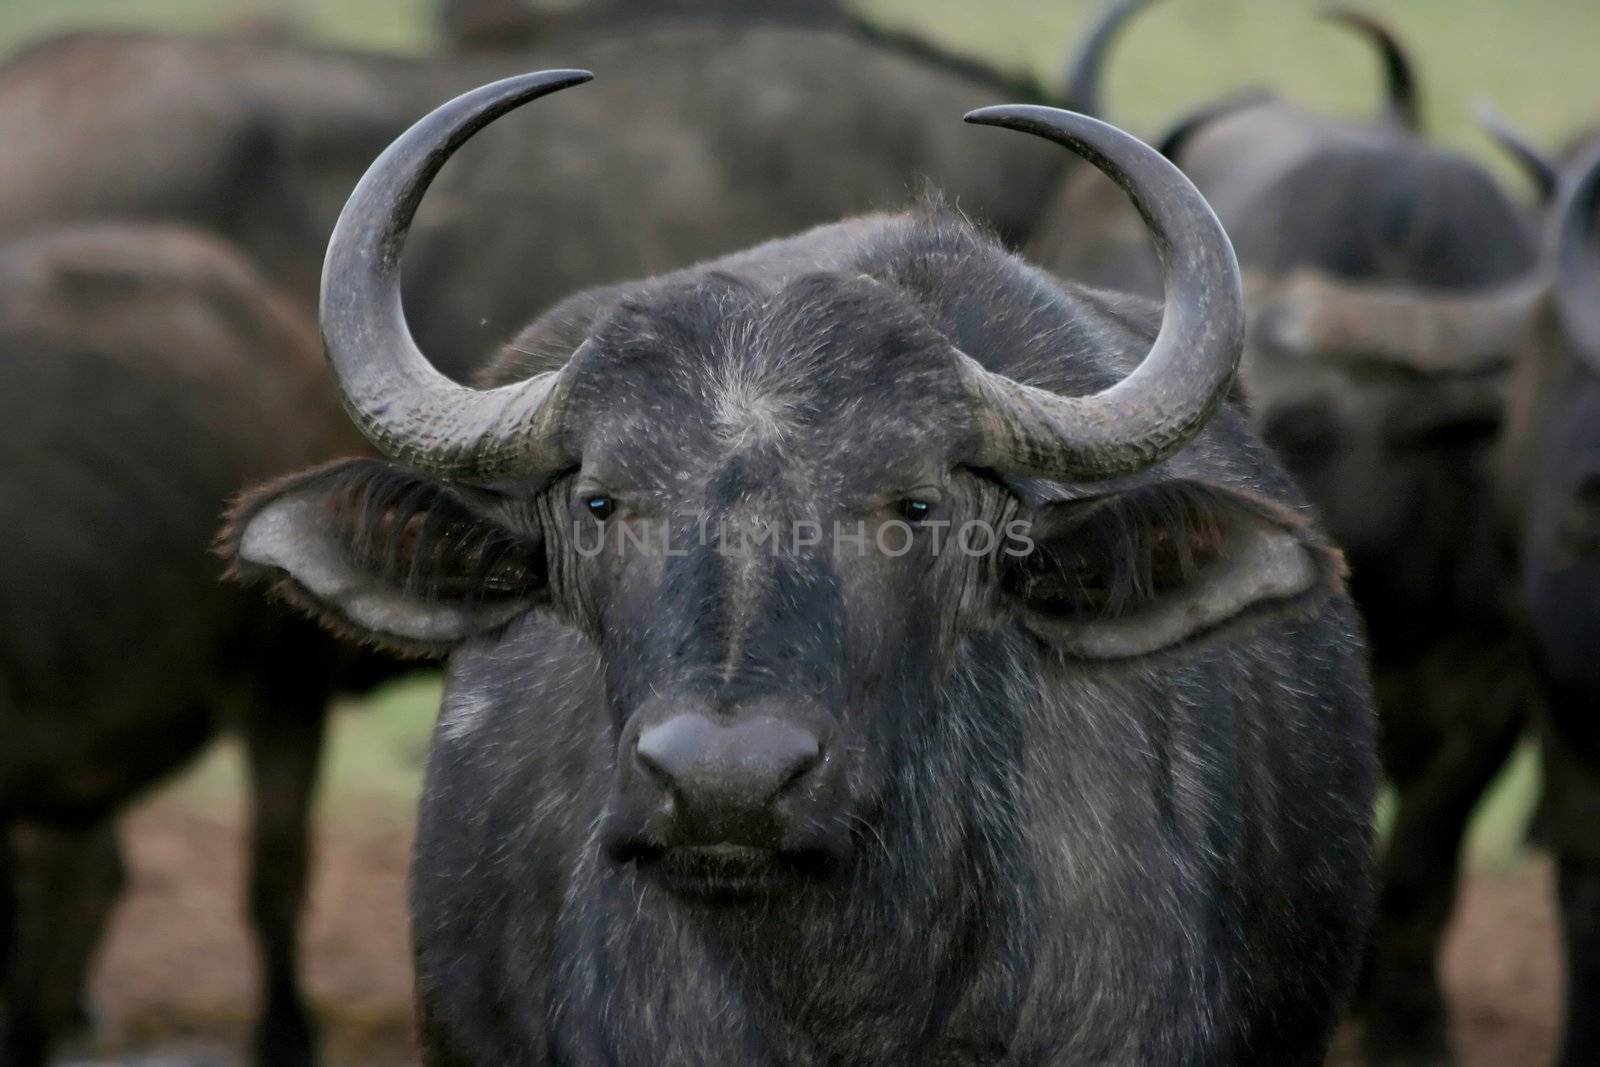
column 540, row 82
column 565, row 77
column 1051, row 123
column 1017, row 116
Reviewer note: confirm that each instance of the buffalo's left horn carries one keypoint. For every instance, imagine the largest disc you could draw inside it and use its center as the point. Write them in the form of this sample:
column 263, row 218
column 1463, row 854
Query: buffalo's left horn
column 1166, row 400
column 1577, row 257
column 397, row 399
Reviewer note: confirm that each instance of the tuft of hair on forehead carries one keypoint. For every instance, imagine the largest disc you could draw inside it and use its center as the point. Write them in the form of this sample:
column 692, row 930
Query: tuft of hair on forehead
column 823, row 343
column 758, row 359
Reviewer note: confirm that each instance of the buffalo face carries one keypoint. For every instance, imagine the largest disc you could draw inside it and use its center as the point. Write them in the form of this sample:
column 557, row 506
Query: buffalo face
column 773, row 503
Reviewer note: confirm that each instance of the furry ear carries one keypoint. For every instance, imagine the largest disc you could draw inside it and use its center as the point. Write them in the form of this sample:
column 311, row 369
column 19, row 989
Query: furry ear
column 1134, row 572
column 380, row 553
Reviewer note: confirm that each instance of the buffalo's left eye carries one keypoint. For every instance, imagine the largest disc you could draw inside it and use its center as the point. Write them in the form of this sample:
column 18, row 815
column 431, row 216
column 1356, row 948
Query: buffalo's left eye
column 916, row 510
column 600, row 507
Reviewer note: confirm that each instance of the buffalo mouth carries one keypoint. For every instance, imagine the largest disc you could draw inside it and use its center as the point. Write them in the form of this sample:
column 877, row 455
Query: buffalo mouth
column 728, row 873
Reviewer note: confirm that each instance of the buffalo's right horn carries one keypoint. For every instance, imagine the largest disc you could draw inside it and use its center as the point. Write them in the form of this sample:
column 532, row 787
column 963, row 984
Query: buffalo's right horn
column 1577, row 257
column 397, row 399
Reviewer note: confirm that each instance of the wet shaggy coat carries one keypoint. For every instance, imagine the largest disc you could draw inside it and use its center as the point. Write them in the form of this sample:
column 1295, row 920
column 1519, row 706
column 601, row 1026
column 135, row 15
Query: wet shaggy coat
column 1155, row 859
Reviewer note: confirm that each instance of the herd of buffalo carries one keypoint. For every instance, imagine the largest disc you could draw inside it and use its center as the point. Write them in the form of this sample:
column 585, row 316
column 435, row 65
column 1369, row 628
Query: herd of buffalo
column 751, row 750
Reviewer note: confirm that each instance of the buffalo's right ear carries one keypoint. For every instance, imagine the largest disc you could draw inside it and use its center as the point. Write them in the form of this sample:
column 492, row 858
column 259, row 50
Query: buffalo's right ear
column 381, row 553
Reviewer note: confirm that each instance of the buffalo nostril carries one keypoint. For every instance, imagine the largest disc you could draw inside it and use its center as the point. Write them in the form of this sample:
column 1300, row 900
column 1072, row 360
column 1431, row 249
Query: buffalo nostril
column 803, row 758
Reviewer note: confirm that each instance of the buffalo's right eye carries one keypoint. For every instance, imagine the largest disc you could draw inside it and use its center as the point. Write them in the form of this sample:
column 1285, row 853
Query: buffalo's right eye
column 600, row 507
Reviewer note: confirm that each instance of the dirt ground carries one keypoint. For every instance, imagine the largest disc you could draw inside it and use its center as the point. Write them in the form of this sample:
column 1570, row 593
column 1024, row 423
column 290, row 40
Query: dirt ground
column 175, row 987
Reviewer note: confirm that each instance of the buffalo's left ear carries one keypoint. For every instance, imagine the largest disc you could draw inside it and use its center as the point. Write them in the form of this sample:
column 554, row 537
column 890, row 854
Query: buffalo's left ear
column 1136, row 571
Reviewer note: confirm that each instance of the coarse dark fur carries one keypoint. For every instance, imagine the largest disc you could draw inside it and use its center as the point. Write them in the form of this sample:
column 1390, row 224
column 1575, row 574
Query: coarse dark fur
column 146, row 375
column 1040, row 858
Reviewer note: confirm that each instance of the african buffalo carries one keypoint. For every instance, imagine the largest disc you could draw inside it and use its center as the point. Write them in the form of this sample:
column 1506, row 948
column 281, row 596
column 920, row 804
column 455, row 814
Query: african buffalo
column 1389, row 282
column 146, row 375
column 262, row 141
column 853, row 658
column 1551, row 477
column 1561, row 591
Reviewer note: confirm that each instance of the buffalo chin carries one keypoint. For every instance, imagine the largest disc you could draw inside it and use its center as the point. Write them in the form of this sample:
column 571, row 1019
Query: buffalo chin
column 729, row 874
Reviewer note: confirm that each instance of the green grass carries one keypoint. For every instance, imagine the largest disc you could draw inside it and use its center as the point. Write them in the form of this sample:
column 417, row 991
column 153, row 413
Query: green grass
column 392, row 25
column 1498, row 835
column 1534, row 58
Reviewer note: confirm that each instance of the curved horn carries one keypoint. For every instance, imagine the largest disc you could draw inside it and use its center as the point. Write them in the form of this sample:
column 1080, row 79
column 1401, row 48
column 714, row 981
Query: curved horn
column 1172, row 143
column 1403, row 107
column 1081, row 86
column 1166, row 400
column 405, row 407
column 1577, row 258
column 1539, row 168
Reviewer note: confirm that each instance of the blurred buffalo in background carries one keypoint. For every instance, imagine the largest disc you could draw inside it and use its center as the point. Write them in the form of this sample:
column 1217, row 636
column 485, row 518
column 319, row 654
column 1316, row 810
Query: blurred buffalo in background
column 707, row 134
column 1560, row 581
column 146, row 375
column 1389, row 283
column 1551, row 490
